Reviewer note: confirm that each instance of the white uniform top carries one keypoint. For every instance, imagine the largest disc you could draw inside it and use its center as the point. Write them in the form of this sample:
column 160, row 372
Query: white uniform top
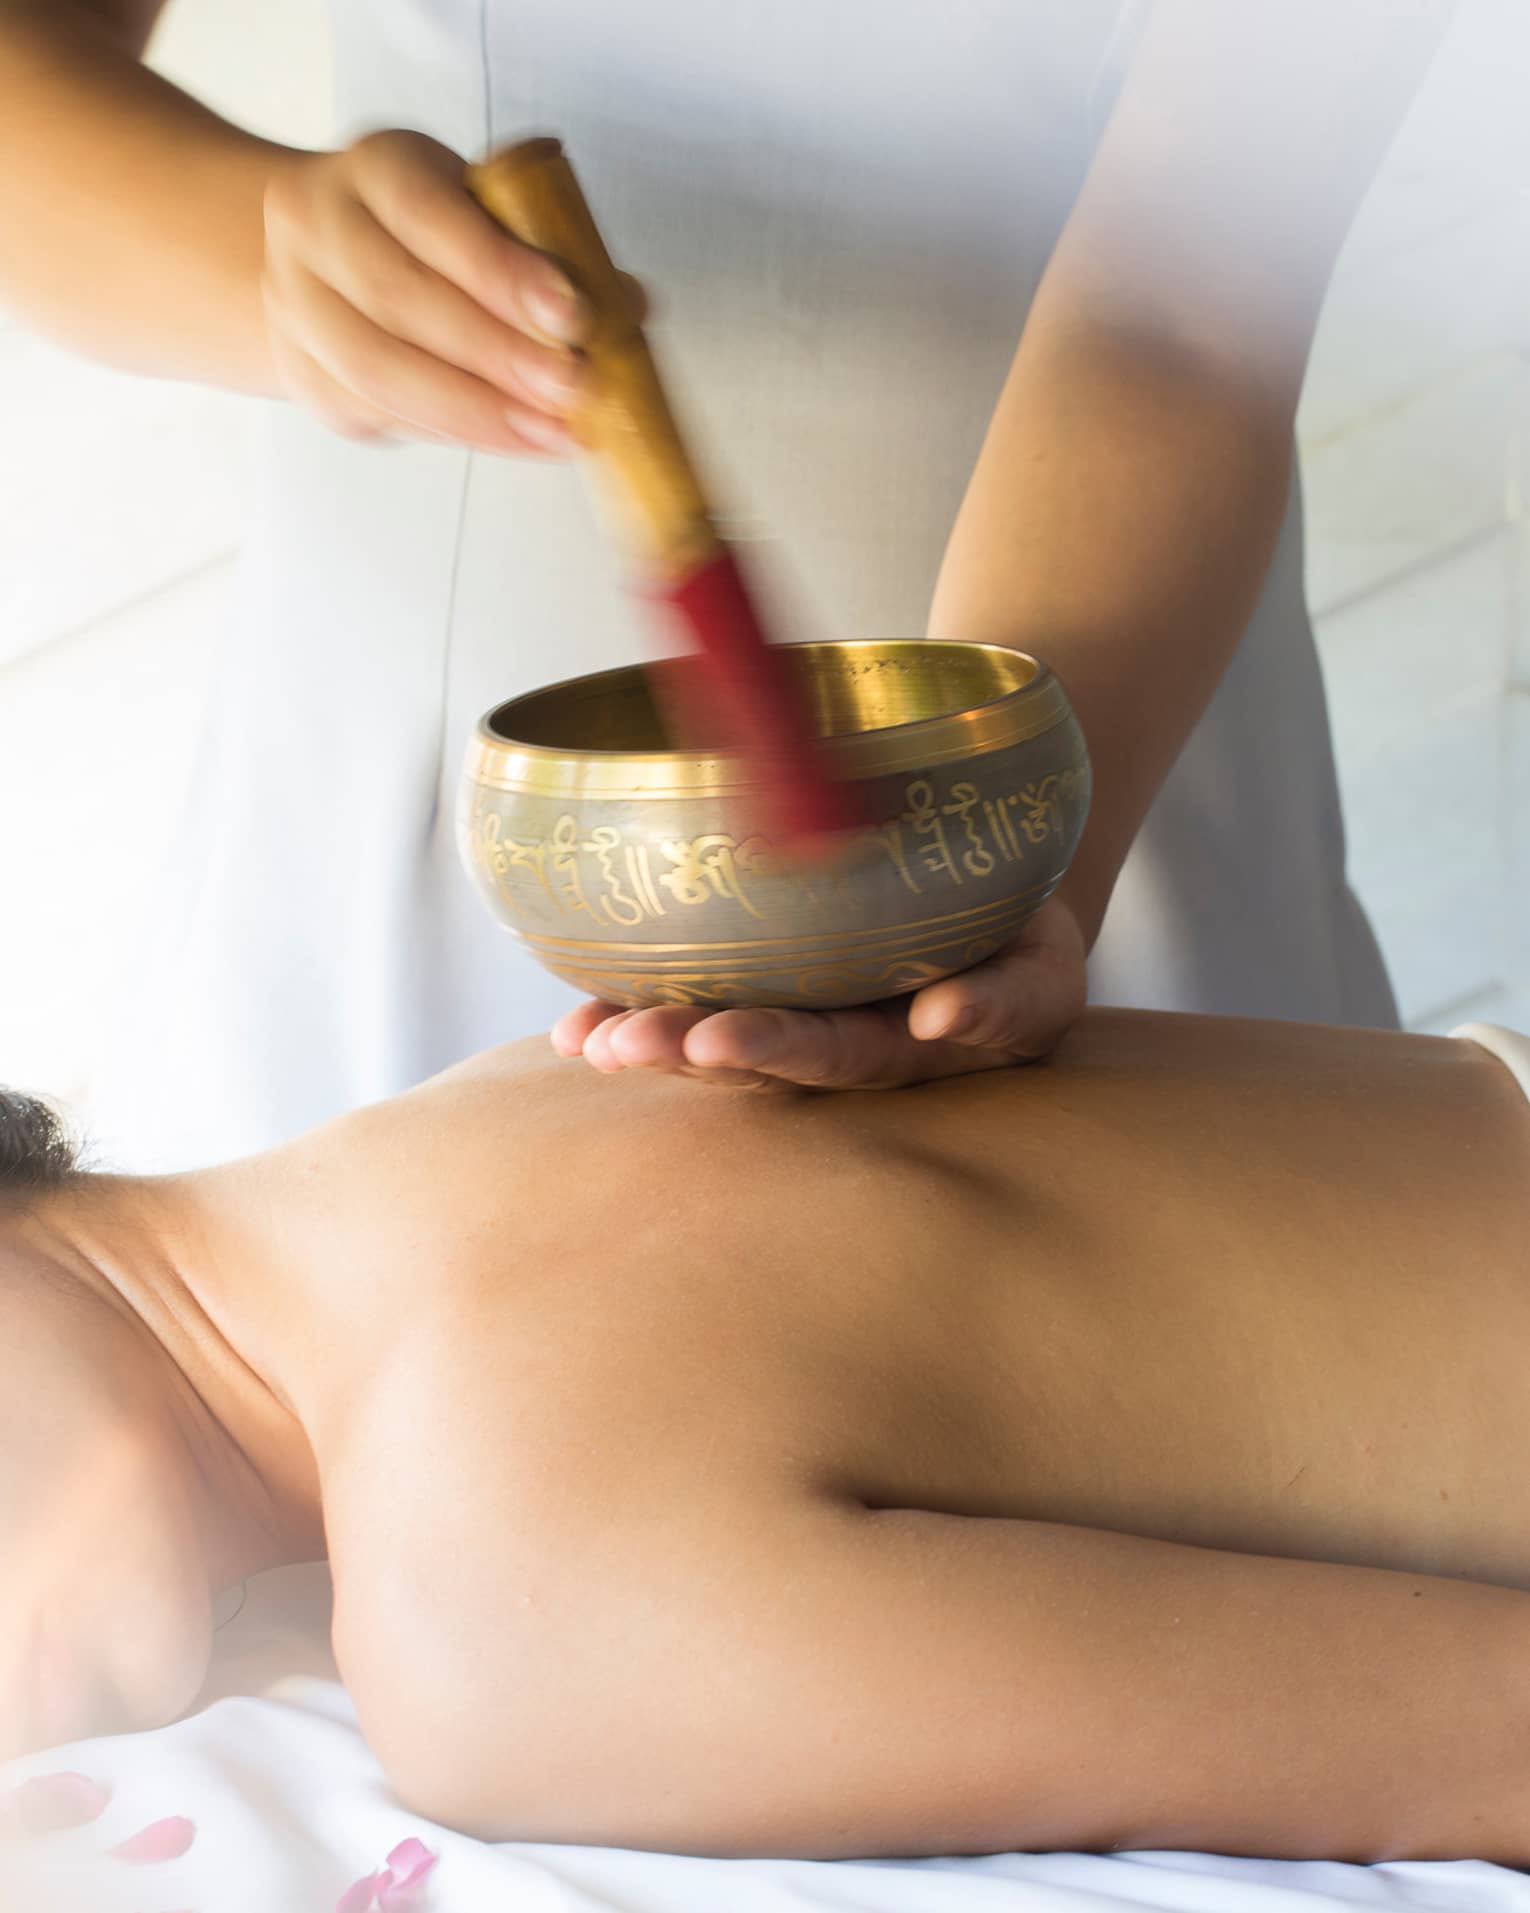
column 844, row 208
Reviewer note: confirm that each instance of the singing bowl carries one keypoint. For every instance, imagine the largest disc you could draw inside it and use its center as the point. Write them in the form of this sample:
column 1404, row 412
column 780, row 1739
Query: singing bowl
column 637, row 874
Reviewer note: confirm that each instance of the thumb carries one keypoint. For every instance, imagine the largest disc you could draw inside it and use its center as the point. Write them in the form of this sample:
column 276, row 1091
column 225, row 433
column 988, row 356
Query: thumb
column 1022, row 1001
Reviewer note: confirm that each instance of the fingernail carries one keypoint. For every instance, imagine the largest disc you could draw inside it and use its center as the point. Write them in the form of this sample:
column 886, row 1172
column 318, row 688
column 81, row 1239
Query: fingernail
column 558, row 384
column 550, row 433
column 558, row 310
column 960, row 1025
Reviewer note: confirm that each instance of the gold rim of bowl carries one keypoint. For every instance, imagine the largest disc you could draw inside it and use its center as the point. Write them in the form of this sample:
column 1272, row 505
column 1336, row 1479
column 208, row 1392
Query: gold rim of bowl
column 498, row 760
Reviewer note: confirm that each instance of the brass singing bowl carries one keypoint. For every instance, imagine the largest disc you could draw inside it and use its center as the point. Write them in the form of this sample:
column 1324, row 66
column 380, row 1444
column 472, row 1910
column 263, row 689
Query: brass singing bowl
column 637, row 873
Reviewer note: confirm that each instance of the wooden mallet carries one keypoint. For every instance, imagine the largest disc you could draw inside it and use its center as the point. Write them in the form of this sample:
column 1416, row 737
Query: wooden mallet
column 749, row 697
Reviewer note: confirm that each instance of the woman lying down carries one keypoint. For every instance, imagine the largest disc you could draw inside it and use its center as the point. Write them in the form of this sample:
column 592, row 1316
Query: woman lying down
column 1129, row 1451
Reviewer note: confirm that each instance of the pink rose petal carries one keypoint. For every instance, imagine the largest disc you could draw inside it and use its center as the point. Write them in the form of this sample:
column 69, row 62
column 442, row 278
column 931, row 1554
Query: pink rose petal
column 408, row 1863
column 164, row 1840
column 393, row 1898
column 361, row 1897
column 51, row 1803
column 393, row 1886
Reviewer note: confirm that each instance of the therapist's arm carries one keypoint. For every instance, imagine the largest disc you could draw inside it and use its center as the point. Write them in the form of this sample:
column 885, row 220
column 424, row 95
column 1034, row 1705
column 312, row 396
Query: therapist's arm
column 131, row 215
column 1134, row 479
column 140, row 228
column 1131, row 487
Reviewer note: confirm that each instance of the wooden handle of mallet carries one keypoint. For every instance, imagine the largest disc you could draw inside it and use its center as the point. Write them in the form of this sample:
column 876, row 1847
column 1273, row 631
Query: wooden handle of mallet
column 627, row 423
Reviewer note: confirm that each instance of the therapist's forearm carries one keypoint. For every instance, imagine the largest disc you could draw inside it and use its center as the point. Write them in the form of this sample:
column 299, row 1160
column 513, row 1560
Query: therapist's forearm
column 1120, row 524
column 131, row 222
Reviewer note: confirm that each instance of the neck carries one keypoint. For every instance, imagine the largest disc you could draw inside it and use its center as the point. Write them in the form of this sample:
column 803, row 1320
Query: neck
column 133, row 1243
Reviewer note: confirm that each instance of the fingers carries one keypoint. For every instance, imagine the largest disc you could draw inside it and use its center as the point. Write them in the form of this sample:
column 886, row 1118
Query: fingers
column 342, row 411
column 655, row 1040
column 642, row 1039
column 868, row 1048
column 401, row 382
column 419, row 313
column 407, row 300
column 611, row 1040
column 413, row 187
column 1013, row 1009
column 572, row 1030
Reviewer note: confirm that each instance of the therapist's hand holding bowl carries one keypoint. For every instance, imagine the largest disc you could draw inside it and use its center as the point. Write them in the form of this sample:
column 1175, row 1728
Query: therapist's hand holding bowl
column 1013, row 1008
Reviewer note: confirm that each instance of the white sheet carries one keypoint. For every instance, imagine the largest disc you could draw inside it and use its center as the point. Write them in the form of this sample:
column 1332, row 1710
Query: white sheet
column 290, row 1808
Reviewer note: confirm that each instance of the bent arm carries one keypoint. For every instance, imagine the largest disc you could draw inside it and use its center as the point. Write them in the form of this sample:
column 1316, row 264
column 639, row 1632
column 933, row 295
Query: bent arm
column 986, row 1684
column 132, row 216
column 845, row 1682
column 1124, row 510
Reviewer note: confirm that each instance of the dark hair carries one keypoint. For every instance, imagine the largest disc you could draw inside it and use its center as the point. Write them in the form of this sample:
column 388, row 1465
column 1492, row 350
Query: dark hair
column 36, row 1149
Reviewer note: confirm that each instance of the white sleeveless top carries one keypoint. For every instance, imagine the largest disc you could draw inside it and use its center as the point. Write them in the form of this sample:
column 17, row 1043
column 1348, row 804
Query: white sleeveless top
column 844, row 208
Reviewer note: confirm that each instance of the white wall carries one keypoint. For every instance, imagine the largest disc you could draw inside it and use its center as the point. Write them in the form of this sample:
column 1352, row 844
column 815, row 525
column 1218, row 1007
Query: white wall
column 121, row 502
column 1414, row 457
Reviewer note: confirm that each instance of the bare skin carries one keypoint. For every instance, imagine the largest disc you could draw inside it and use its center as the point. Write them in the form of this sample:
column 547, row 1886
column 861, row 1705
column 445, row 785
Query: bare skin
column 1126, row 1451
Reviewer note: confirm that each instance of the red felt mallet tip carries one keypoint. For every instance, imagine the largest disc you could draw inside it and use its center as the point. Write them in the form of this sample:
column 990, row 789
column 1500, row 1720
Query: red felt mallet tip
column 751, row 699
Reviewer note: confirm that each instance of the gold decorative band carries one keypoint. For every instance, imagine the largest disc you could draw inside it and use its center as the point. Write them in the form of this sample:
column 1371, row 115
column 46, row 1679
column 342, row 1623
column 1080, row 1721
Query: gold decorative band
column 957, row 923
column 705, row 961
column 791, row 977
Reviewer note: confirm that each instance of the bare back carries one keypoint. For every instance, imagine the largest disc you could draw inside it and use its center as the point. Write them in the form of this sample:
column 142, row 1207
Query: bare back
column 1254, row 1287
column 1213, row 1280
